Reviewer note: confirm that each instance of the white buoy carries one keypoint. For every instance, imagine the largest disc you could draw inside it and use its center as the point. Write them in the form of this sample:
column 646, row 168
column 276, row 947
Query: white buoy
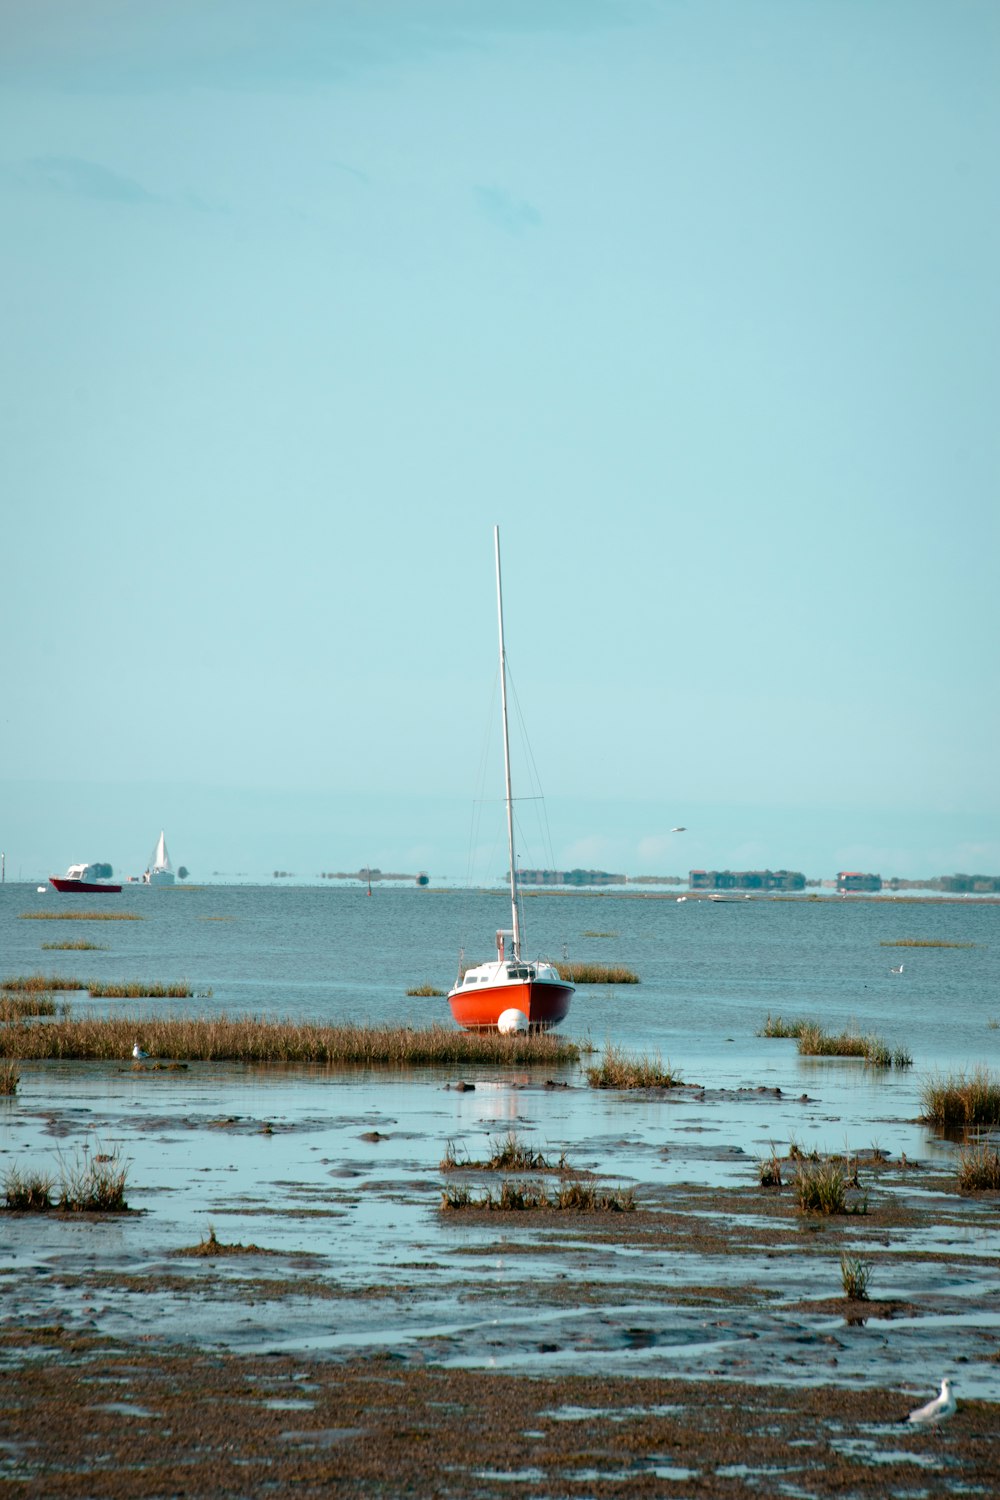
column 42, row 889
column 512, row 1020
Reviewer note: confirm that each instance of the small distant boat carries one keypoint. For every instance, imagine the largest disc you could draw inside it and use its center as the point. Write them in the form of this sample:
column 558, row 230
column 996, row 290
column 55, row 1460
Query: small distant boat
column 91, row 880
column 159, row 871
column 510, row 993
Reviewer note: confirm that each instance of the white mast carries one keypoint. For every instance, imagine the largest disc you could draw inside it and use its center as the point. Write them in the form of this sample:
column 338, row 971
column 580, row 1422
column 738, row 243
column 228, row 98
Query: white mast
column 515, row 924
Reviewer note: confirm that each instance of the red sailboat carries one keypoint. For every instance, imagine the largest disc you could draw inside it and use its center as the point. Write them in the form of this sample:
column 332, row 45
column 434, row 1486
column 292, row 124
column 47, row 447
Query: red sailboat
column 510, row 993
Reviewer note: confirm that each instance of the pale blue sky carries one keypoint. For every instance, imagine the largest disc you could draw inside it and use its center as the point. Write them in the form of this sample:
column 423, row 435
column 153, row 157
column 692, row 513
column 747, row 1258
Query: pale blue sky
column 698, row 301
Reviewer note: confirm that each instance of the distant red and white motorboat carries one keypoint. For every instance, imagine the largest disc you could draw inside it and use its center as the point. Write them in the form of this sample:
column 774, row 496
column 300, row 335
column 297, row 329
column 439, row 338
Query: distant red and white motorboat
column 88, row 880
column 510, row 993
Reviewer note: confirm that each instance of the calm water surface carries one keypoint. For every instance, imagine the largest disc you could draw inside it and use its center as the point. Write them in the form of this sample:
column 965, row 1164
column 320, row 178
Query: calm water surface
column 711, row 971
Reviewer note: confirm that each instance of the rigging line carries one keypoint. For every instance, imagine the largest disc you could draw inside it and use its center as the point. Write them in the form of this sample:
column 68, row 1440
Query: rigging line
column 544, row 829
column 475, row 821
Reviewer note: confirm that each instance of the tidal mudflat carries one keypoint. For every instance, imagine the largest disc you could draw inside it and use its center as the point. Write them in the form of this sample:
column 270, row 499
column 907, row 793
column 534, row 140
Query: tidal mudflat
column 349, row 1293
column 337, row 1322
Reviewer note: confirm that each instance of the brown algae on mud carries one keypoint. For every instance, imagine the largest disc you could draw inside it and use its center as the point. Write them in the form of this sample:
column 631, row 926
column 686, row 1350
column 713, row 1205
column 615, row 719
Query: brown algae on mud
column 103, row 1419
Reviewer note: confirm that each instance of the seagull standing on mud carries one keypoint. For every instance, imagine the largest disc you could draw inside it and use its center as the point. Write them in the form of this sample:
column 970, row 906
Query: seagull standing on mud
column 139, row 1054
column 935, row 1411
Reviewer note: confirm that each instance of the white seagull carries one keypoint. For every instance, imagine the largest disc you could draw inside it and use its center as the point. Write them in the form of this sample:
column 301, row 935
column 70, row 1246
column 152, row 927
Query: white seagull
column 139, row 1054
column 897, row 971
column 678, row 830
column 935, row 1411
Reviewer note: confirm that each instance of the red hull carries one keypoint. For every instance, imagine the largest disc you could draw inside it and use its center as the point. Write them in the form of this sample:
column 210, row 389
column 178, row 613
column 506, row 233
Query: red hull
column 478, row 1009
column 86, row 887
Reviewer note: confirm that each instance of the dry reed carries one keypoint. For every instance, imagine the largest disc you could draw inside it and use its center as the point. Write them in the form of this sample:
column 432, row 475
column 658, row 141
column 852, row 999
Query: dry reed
column 519, row 1197
column 79, row 946
column 589, row 973
column 972, row 1099
column 32, row 984
column 508, row 1154
column 19, row 1007
column 138, row 989
column 81, row 916
column 979, row 1169
column 259, row 1039
column 10, row 1077
column 815, row 1042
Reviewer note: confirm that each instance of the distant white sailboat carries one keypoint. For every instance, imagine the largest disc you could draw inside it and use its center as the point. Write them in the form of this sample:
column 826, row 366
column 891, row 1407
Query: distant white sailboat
column 159, row 870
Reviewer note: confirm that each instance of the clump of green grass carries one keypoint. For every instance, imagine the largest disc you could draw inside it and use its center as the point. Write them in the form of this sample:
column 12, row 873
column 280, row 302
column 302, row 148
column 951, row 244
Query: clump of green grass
column 619, row 1069
column 139, row 989
column 923, row 943
column 427, row 990
column 93, row 1182
column 80, row 945
column 257, row 1039
column 972, row 1099
column 778, row 1026
column 588, row 973
column 508, row 1154
column 19, row 1007
column 10, row 1077
column 815, row 1042
column 27, row 1192
column 855, row 1275
column 81, row 916
column 33, row 984
column 822, row 1189
column 979, row 1169
column 519, row 1197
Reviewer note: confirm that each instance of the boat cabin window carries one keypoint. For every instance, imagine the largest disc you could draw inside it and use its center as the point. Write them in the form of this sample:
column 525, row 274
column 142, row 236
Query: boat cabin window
column 519, row 971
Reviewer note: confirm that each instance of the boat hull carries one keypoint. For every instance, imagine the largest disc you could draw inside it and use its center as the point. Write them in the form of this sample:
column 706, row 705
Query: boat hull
column 542, row 1002
column 84, row 887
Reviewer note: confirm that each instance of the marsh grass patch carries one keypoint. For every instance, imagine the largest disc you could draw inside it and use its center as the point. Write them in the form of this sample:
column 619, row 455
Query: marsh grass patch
column 81, row 916
column 923, row 943
column 591, row 973
column 19, row 1007
column 93, row 1182
column 822, row 1188
column 139, row 989
column 855, row 1274
column 77, row 945
column 508, row 1154
column 39, row 984
column 521, row 1197
column 209, row 1247
column 979, row 1169
column 427, row 991
column 962, row 1099
column 27, row 1192
column 89, row 1181
column 263, row 1040
column 10, row 1077
column 813, row 1041
column 777, row 1026
column 619, row 1069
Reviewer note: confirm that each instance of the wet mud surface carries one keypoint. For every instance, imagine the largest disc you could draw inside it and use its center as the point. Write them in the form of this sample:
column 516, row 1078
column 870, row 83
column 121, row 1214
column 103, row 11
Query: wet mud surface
column 86, row 1417
column 350, row 1333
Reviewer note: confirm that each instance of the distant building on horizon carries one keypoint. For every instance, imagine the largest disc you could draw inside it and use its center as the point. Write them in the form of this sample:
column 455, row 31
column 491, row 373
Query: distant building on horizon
column 567, row 877
column 854, row 880
column 746, row 880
